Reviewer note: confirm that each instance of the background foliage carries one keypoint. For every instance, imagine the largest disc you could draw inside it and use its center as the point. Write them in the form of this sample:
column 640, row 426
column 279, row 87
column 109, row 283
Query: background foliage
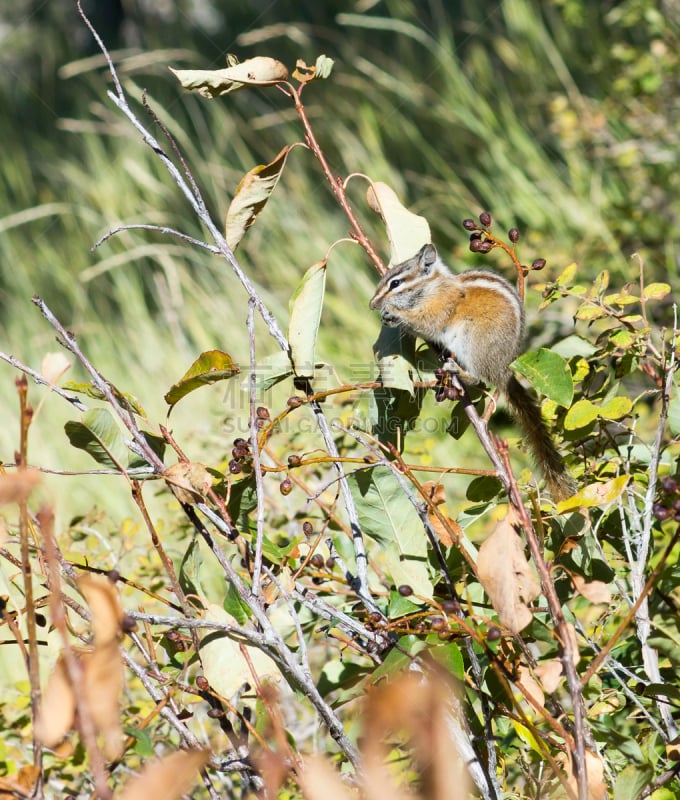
column 562, row 119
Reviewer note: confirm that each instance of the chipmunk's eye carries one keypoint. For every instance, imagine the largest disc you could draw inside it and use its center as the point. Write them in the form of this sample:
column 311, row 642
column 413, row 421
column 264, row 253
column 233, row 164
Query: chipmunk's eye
column 395, row 282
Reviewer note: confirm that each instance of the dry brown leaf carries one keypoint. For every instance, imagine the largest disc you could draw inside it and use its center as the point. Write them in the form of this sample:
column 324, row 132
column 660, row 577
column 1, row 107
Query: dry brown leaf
column 571, row 633
column 102, row 686
column 107, row 614
column 57, row 707
column 595, row 591
column 448, row 532
column 597, row 786
column 15, row 487
column 529, row 687
column 550, row 674
column 188, row 481
column 435, row 492
column 506, row 575
column 320, row 781
column 166, row 779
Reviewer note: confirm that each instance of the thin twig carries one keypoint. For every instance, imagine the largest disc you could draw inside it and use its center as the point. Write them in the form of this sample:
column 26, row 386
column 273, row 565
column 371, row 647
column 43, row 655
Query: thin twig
column 161, row 229
column 255, row 450
column 39, row 379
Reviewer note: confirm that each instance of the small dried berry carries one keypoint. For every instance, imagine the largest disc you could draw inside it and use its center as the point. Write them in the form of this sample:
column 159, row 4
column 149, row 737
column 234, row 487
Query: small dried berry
column 449, row 607
column 113, row 575
column 375, row 617
column 316, row 560
column 202, row 683
column 438, row 623
column 480, row 246
column 295, row 401
column 240, row 452
column 235, row 467
column 439, row 373
column 330, row 562
column 215, row 713
column 261, row 423
column 294, row 461
column 538, row 264
column 307, row 528
column 669, row 484
column 405, row 590
column 475, row 235
column 513, row 235
column 128, row 624
column 440, row 394
column 452, row 393
column 286, row 486
column 493, row 634
column 261, row 412
column 469, row 225
column 660, row 511
column 485, row 218
column 241, row 443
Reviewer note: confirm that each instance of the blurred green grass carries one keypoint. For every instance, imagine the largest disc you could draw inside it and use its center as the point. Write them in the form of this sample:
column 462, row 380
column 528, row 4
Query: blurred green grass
column 560, row 119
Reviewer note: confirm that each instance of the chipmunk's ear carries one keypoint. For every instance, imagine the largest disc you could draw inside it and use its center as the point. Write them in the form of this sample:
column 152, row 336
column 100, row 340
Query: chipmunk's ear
column 427, row 257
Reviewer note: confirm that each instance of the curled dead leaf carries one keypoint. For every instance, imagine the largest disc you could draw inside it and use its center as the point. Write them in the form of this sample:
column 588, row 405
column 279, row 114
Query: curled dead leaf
column 506, row 575
column 595, row 591
column 57, row 707
column 53, row 366
column 107, row 614
column 550, row 674
column 529, row 687
column 188, row 481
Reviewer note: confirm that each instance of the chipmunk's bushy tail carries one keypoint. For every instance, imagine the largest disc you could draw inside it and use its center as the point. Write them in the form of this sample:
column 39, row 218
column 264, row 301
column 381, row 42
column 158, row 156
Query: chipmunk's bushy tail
column 526, row 409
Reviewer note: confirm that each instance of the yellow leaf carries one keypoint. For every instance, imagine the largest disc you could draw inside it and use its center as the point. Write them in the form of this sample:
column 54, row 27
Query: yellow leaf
column 656, row 291
column 595, row 494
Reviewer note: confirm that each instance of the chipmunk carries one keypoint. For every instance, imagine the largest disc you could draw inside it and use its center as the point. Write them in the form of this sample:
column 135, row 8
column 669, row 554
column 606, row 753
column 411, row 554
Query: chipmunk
column 476, row 318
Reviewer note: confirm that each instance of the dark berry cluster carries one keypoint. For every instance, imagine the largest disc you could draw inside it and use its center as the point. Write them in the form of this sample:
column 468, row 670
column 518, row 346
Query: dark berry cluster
column 668, row 505
column 479, row 241
column 242, row 459
column 444, row 389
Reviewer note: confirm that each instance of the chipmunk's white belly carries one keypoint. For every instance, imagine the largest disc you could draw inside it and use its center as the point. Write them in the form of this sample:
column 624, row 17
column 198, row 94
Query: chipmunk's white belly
column 457, row 340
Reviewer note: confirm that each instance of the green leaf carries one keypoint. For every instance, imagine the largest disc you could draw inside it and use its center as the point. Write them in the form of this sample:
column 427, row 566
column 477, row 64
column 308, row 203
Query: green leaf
column 189, row 574
column 124, row 398
column 155, row 442
column 400, row 606
column 258, row 71
column 451, row 658
column 143, row 743
column 251, row 196
column 574, row 346
column 305, row 316
column 209, row 367
column 242, row 500
column 580, row 415
column 567, row 275
column 387, row 515
column 674, row 411
column 632, row 780
column 321, row 70
column 406, row 231
column 548, row 373
column 234, row 606
column 399, row 658
column 98, row 434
